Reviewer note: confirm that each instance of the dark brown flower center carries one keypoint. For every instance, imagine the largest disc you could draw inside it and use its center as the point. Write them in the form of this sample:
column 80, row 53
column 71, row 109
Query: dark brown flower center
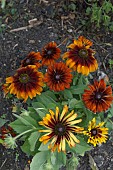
column 49, row 52
column 28, row 61
column 57, row 77
column 24, row 78
column 94, row 132
column 60, row 129
column 98, row 96
column 83, row 53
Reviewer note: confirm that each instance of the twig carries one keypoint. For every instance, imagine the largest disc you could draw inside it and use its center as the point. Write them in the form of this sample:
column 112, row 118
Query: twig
column 31, row 25
column 63, row 42
column 3, row 163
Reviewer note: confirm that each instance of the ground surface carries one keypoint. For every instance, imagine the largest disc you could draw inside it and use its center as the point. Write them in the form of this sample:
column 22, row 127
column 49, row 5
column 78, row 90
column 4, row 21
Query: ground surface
column 53, row 24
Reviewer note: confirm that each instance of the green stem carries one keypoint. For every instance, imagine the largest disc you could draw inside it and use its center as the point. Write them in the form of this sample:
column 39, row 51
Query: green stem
column 27, row 131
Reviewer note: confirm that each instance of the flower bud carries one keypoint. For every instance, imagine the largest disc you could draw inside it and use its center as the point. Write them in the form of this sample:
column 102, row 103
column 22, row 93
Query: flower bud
column 9, row 142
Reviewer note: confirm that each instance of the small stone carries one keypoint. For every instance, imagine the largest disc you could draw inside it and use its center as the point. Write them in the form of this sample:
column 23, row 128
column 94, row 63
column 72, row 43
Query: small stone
column 31, row 41
column 70, row 30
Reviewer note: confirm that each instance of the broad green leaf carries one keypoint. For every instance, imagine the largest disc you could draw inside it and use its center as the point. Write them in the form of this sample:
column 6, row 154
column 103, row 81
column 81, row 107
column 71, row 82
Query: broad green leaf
column 26, row 148
column 67, row 94
column 38, row 160
column 33, row 113
column 19, row 127
column 33, row 139
column 109, row 125
column 74, row 103
column 82, row 147
column 51, row 106
column 40, row 108
column 79, row 89
column 51, row 94
column 27, row 120
column 60, row 159
column 43, row 147
column 53, row 158
column 2, row 122
column 92, row 163
column 37, row 105
column 45, row 99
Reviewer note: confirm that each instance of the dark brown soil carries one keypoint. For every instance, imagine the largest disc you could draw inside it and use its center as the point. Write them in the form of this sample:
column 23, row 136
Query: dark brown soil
column 54, row 23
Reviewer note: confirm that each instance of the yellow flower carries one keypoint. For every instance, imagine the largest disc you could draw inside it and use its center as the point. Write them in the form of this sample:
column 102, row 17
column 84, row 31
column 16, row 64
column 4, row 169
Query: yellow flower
column 60, row 128
column 97, row 134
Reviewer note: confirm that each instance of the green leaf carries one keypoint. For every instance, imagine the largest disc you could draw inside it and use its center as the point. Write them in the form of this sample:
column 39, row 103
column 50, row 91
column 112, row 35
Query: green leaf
column 37, row 105
column 26, row 148
column 74, row 103
column 3, row 3
column 109, row 125
column 51, row 106
column 82, row 147
column 2, row 122
column 27, row 120
column 43, row 147
column 19, row 127
column 38, row 160
column 40, row 108
column 45, row 99
column 60, row 159
column 67, row 94
column 1, row 141
column 92, row 163
column 33, row 139
column 79, row 89
column 51, row 94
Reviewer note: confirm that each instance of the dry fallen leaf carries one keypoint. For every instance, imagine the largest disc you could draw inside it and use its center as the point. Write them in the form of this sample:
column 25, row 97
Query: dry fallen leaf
column 92, row 163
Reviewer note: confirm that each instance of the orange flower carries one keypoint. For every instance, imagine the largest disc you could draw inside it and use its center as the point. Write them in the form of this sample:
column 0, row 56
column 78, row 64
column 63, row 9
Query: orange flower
column 60, row 129
column 80, row 56
column 5, row 88
column 58, row 77
column 27, row 82
column 99, row 97
column 50, row 53
column 32, row 59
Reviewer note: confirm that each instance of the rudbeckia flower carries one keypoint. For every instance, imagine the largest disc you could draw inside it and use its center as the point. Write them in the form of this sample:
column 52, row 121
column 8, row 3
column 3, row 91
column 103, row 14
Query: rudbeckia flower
column 50, row 53
column 27, row 82
column 98, row 97
column 32, row 58
column 80, row 56
column 96, row 133
column 5, row 88
column 58, row 76
column 59, row 128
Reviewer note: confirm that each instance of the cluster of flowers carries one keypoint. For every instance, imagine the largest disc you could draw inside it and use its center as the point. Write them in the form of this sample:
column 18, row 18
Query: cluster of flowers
column 52, row 70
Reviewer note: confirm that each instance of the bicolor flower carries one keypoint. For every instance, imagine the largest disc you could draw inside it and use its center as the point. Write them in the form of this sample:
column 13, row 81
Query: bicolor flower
column 58, row 76
column 80, row 57
column 50, row 53
column 27, row 82
column 60, row 128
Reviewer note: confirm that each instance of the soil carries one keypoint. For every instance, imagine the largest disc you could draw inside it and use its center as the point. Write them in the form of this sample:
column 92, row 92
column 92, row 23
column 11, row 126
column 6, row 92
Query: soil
column 54, row 23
